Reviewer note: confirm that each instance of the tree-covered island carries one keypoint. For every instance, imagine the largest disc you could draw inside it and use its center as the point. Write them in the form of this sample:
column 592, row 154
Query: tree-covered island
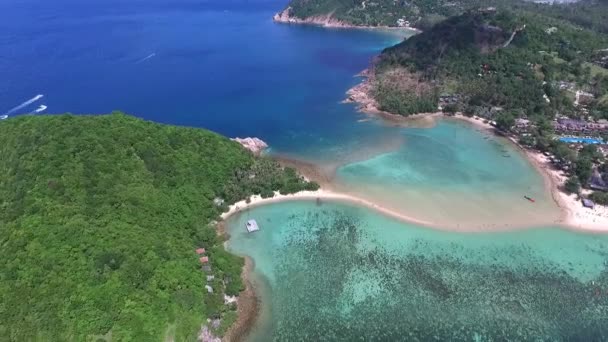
column 100, row 217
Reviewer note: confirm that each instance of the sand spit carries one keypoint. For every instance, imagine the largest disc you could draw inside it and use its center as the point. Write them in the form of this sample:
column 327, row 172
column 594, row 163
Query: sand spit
column 320, row 194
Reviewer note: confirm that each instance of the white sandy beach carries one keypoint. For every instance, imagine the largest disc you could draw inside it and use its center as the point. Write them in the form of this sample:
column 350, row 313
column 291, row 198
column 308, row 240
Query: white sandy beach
column 320, row 194
column 575, row 214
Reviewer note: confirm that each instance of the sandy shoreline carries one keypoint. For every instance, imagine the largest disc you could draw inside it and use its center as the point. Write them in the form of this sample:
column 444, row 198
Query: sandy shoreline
column 321, row 194
column 573, row 215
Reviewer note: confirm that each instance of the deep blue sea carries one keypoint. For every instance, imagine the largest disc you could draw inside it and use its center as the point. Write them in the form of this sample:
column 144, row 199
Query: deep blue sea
column 222, row 65
column 226, row 66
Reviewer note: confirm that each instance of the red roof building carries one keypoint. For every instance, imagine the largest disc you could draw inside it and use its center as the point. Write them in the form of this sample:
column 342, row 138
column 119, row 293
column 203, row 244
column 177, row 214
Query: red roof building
column 204, row 260
column 200, row 251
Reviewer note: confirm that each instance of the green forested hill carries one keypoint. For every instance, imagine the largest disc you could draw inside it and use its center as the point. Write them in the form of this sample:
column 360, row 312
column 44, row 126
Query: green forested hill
column 591, row 14
column 380, row 12
column 487, row 59
column 99, row 219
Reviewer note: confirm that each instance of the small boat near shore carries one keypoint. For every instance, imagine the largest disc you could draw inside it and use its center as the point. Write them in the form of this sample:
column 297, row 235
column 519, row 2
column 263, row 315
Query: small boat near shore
column 529, row 198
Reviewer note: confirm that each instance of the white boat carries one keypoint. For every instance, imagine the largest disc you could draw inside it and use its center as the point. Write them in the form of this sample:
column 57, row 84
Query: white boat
column 3, row 117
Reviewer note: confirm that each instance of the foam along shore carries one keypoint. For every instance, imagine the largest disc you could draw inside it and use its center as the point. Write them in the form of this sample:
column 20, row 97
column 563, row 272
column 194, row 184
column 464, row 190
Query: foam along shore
column 321, row 194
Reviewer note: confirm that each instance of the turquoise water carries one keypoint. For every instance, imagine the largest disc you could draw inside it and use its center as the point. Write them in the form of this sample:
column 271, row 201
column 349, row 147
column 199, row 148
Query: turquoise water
column 338, row 272
column 331, row 272
column 452, row 173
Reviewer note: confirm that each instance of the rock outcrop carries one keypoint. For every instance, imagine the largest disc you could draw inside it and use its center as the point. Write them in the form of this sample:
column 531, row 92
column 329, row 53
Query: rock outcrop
column 255, row 145
column 322, row 20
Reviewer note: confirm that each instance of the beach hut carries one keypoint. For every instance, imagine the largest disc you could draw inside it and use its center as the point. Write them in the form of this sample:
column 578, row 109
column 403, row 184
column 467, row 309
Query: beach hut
column 204, row 260
column 209, row 288
column 200, row 251
column 252, row 226
column 587, row 203
column 210, row 277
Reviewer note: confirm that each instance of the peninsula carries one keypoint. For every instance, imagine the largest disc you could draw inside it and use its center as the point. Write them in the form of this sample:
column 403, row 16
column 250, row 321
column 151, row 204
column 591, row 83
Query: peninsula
column 106, row 220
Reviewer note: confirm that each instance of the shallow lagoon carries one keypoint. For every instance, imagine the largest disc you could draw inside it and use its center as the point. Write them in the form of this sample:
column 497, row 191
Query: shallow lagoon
column 453, row 175
column 335, row 271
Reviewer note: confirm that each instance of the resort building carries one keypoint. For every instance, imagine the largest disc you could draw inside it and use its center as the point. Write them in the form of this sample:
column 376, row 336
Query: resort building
column 587, row 203
column 579, row 126
column 598, row 182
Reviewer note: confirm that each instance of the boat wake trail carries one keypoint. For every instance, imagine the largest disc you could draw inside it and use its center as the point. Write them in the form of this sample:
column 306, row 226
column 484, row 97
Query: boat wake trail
column 40, row 109
column 146, row 58
column 25, row 104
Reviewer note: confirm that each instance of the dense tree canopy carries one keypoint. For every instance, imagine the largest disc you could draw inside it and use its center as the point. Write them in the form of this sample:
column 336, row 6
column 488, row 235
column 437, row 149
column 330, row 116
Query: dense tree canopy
column 489, row 60
column 99, row 219
column 423, row 14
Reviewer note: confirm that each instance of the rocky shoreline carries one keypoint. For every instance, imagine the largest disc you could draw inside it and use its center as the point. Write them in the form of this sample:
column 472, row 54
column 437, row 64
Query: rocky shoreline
column 248, row 306
column 362, row 96
column 255, row 145
column 328, row 21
